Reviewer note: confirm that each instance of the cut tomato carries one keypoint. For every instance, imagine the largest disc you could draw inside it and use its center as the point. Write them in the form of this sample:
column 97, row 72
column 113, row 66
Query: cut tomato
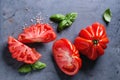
column 37, row 33
column 22, row 52
column 66, row 56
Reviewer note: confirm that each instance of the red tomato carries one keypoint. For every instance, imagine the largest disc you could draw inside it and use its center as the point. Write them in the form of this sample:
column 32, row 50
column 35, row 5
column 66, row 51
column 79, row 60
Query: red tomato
column 92, row 41
column 66, row 56
column 22, row 52
column 37, row 33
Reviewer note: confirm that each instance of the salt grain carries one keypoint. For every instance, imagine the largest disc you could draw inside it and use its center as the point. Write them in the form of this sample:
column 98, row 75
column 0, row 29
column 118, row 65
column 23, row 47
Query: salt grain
column 31, row 20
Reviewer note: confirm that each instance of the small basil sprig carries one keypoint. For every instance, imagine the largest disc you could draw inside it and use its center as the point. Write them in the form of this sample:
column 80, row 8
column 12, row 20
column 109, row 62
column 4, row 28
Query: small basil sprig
column 107, row 15
column 64, row 21
column 25, row 68
column 29, row 67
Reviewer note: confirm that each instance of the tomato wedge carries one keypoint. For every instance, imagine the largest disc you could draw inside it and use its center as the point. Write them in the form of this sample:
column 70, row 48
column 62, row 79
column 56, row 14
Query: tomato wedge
column 92, row 41
column 21, row 52
column 37, row 33
column 66, row 56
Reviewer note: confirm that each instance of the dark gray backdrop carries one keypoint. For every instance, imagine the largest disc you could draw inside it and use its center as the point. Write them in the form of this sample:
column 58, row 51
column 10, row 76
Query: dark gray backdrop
column 16, row 13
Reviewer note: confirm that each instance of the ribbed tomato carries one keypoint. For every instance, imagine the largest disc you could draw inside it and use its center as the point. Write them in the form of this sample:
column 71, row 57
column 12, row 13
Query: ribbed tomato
column 92, row 41
column 66, row 56
column 37, row 33
column 21, row 52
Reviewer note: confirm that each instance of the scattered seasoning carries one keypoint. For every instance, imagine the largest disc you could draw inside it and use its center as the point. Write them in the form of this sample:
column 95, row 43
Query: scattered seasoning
column 39, row 19
column 24, row 26
column 31, row 20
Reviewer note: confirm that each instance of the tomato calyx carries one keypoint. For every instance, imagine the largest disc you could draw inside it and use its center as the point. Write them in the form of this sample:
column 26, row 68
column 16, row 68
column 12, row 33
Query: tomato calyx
column 95, row 42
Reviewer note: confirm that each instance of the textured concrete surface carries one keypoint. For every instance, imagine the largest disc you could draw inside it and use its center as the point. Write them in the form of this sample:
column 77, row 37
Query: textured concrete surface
column 16, row 13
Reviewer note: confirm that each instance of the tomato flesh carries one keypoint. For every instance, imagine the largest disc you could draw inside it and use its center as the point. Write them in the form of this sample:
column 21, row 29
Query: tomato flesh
column 37, row 33
column 66, row 56
column 21, row 52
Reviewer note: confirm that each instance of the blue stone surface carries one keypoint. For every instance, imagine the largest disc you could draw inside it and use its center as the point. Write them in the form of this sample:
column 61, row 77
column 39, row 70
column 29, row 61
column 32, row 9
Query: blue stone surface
column 16, row 13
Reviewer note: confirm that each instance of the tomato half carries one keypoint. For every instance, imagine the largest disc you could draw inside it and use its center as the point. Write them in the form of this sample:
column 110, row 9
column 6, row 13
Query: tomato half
column 66, row 56
column 21, row 52
column 37, row 33
column 92, row 41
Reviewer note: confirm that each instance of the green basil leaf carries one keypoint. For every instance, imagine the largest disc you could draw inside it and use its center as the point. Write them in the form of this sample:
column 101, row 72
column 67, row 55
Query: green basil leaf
column 64, row 24
column 57, row 17
column 38, row 65
column 71, row 16
column 24, row 68
column 107, row 15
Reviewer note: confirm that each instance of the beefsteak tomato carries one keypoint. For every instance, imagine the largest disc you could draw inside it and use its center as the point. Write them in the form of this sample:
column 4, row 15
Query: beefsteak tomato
column 92, row 41
column 66, row 56
column 21, row 52
column 37, row 33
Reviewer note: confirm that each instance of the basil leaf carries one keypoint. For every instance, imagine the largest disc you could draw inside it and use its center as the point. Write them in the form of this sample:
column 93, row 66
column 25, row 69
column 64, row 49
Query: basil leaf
column 57, row 17
column 38, row 65
column 71, row 16
column 107, row 15
column 24, row 68
column 64, row 24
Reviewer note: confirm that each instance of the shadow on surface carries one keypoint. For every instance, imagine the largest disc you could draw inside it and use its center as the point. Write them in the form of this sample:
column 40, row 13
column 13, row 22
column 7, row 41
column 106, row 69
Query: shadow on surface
column 9, row 60
column 87, row 64
column 36, row 45
column 61, row 75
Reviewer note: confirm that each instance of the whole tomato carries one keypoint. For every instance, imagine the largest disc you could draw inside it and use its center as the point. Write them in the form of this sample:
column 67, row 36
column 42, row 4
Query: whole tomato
column 92, row 41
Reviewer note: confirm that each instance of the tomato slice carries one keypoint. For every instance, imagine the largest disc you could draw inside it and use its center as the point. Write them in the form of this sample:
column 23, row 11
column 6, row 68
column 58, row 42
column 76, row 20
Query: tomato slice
column 66, row 56
column 21, row 52
column 37, row 33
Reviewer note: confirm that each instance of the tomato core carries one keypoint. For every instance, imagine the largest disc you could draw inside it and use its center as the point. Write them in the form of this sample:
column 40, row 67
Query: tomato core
column 95, row 42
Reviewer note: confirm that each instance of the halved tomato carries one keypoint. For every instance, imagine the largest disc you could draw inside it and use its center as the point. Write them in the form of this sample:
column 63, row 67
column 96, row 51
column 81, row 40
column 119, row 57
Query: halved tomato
column 37, row 33
column 21, row 52
column 66, row 56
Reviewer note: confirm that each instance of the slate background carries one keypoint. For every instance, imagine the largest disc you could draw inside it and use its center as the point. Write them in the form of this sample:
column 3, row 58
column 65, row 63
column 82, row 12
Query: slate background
column 15, row 13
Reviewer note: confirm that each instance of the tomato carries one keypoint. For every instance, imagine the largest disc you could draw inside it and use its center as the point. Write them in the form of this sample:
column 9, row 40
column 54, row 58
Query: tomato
column 37, row 33
column 21, row 52
column 92, row 41
column 66, row 56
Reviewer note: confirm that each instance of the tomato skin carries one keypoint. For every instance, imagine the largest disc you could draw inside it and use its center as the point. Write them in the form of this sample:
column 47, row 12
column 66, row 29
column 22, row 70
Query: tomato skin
column 66, row 56
column 21, row 52
column 37, row 33
column 92, row 41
